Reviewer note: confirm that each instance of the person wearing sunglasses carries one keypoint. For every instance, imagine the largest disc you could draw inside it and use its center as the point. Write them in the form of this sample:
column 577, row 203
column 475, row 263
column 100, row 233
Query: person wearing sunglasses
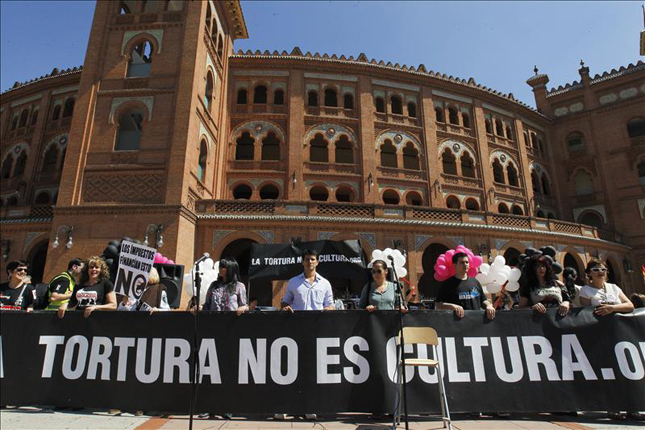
column 17, row 294
column 606, row 297
column 380, row 293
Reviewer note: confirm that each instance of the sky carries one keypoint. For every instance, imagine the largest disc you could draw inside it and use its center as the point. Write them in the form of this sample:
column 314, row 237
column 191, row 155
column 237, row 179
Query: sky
column 496, row 43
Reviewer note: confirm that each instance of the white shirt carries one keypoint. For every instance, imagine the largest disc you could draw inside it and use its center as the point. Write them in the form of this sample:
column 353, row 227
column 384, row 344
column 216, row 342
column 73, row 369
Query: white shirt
column 303, row 296
column 610, row 295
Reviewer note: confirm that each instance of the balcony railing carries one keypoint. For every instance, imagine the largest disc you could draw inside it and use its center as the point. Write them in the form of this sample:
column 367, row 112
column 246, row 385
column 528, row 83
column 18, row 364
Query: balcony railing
column 277, row 165
column 259, row 108
column 390, row 172
column 379, row 211
column 397, row 119
column 455, row 129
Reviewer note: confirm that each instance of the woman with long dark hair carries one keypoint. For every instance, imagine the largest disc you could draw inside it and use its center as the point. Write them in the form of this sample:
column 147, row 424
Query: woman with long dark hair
column 540, row 289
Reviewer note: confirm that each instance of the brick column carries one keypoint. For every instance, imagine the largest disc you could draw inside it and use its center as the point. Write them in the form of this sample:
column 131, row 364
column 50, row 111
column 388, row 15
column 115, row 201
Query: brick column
column 295, row 136
column 525, row 171
column 368, row 140
column 431, row 146
column 485, row 167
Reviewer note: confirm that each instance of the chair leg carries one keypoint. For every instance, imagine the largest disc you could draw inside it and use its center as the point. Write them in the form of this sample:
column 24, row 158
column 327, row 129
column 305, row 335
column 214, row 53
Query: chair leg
column 397, row 397
column 445, row 410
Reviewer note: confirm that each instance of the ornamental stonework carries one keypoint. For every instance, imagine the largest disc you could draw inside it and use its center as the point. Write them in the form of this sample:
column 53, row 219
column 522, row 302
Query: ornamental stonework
column 123, row 188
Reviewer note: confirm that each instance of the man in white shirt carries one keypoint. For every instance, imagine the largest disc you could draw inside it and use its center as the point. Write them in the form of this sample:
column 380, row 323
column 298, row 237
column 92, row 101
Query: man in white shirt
column 308, row 291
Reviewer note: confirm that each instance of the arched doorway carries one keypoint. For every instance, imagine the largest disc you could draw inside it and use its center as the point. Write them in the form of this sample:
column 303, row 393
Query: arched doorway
column 36, row 260
column 428, row 285
column 570, row 261
column 240, row 249
column 612, row 276
column 511, row 256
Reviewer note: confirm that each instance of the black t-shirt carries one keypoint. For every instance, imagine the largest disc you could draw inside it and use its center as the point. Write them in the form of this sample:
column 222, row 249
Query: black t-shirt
column 467, row 293
column 91, row 295
column 59, row 285
column 16, row 298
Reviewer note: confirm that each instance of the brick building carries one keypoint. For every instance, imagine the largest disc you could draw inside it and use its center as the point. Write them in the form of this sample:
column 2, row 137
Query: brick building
column 166, row 131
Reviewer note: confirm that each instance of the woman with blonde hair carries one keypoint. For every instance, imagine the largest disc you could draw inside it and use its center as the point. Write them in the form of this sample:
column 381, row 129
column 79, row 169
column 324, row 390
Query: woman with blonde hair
column 94, row 291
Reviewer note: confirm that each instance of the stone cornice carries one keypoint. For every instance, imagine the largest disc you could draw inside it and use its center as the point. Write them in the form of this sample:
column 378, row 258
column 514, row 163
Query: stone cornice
column 101, row 209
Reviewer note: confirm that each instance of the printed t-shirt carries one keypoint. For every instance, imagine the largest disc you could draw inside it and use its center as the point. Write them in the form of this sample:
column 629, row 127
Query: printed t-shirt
column 17, row 298
column 91, row 295
column 467, row 293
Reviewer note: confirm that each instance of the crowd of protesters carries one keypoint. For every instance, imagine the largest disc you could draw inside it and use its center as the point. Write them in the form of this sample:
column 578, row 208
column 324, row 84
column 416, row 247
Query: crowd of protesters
column 86, row 286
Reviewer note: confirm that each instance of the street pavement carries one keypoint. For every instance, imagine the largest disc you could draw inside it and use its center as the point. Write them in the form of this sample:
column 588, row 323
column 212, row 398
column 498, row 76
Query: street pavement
column 47, row 419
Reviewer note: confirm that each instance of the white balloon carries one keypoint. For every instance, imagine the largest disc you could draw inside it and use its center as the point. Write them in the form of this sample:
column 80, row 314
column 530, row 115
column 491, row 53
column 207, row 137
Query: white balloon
column 501, row 278
column 484, row 268
column 514, row 275
column 377, row 254
column 482, row 278
column 506, row 270
column 512, row 286
column 388, row 251
column 207, row 264
column 399, row 259
column 402, row 272
column 494, row 288
column 499, row 262
column 216, row 267
column 188, row 283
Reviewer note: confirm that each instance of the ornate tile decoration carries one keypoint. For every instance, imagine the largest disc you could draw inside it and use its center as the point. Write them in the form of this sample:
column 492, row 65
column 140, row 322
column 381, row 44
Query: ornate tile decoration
column 258, row 130
column 124, row 188
column 156, row 33
column 419, row 239
column 580, row 249
column 267, row 235
column 369, row 237
column 459, row 240
column 499, row 243
column 218, row 235
column 325, row 235
column 31, row 236
column 527, row 244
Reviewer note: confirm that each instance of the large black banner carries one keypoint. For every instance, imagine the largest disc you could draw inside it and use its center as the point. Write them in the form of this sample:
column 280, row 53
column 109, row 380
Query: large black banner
column 322, row 362
column 338, row 259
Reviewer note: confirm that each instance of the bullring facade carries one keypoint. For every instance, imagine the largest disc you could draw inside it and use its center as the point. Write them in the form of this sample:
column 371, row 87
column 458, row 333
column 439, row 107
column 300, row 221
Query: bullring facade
column 166, row 131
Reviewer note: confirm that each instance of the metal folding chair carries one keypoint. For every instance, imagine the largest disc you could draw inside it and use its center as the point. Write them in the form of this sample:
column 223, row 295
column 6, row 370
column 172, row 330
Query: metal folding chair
column 427, row 336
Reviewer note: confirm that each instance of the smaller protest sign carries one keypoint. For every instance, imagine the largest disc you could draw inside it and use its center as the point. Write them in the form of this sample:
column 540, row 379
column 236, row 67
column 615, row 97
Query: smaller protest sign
column 135, row 262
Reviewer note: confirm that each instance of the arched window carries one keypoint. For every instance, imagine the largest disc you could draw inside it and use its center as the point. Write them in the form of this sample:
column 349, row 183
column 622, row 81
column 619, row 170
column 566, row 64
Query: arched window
column 535, row 183
column 540, row 214
column 575, row 142
column 467, row 166
column 413, row 199
column 42, row 199
column 34, row 117
column 56, row 113
column 69, row 107
column 410, row 157
column 241, row 96
column 151, row 6
column 260, row 94
column 546, row 187
column 318, row 149
column 209, row 17
column 6, row 167
column 127, row 6
column 344, row 194
column 465, row 118
column 344, row 152
column 489, row 127
column 517, row 210
column 128, row 135
column 21, row 164
column 319, row 193
column 140, row 61
column 412, row 109
column 14, row 123
column 220, row 45
column 448, row 161
column 439, row 114
column 472, row 205
column 50, row 159
column 636, row 127
column 62, row 159
column 242, row 192
column 641, row 172
column 24, row 116
column 208, row 94
column 391, row 197
column 348, row 101
column 380, row 104
column 331, row 99
column 270, row 147
column 534, row 141
column 526, row 139
column 397, row 105
column 591, row 218
column 511, row 172
column 269, row 192
column 245, row 147
column 502, row 208
column 312, row 98
column 583, row 183
column 278, row 97
column 388, row 154
column 453, row 118
column 203, row 157
column 453, row 202
column 12, row 201
column 499, row 128
column 509, row 132
column 498, row 172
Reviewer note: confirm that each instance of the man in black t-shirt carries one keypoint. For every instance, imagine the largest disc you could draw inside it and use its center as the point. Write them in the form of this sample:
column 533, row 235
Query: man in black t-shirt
column 461, row 293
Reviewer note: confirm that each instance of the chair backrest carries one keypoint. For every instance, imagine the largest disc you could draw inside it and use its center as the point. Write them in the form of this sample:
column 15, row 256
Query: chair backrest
column 426, row 335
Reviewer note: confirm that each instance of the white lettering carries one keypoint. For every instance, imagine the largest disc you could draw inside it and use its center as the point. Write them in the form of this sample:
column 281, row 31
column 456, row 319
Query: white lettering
column 276, row 361
column 355, row 358
column 323, row 360
column 424, row 371
column 140, row 368
column 123, row 343
column 51, row 343
column 208, row 351
column 100, row 357
column 254, row 361
column 180, row 361
column 533, row 358
column 515, row 358
column 476, row 344
column 454, row 375
column 621, row 350
column 571, row 347
column 81, row 357
column 392, row 353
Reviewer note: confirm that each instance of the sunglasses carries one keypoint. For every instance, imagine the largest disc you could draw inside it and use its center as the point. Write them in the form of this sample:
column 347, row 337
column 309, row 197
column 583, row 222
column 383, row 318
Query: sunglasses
column 21, row 269
column 597, row 269
column 377, row 271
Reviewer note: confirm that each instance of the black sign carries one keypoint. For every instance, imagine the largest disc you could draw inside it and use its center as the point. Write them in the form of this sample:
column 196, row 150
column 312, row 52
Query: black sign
column 322, row 362
column 338, row 259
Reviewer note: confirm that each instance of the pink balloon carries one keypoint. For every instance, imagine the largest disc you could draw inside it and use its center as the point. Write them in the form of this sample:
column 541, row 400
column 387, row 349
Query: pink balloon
column 449, row 254
column 472, row 272
column 441, row 260
column 158, row 257
column 164, row 260
column 477, row 261
column 170, row 262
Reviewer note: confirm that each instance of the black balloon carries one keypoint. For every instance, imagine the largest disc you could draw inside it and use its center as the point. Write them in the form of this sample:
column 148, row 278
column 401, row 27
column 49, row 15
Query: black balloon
column 116, row 243
column 521, row 258
column 548, row 250
column 557, row 268
column 548, row 257
column 529, row 251
column 570, row 272
column 111, row 251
